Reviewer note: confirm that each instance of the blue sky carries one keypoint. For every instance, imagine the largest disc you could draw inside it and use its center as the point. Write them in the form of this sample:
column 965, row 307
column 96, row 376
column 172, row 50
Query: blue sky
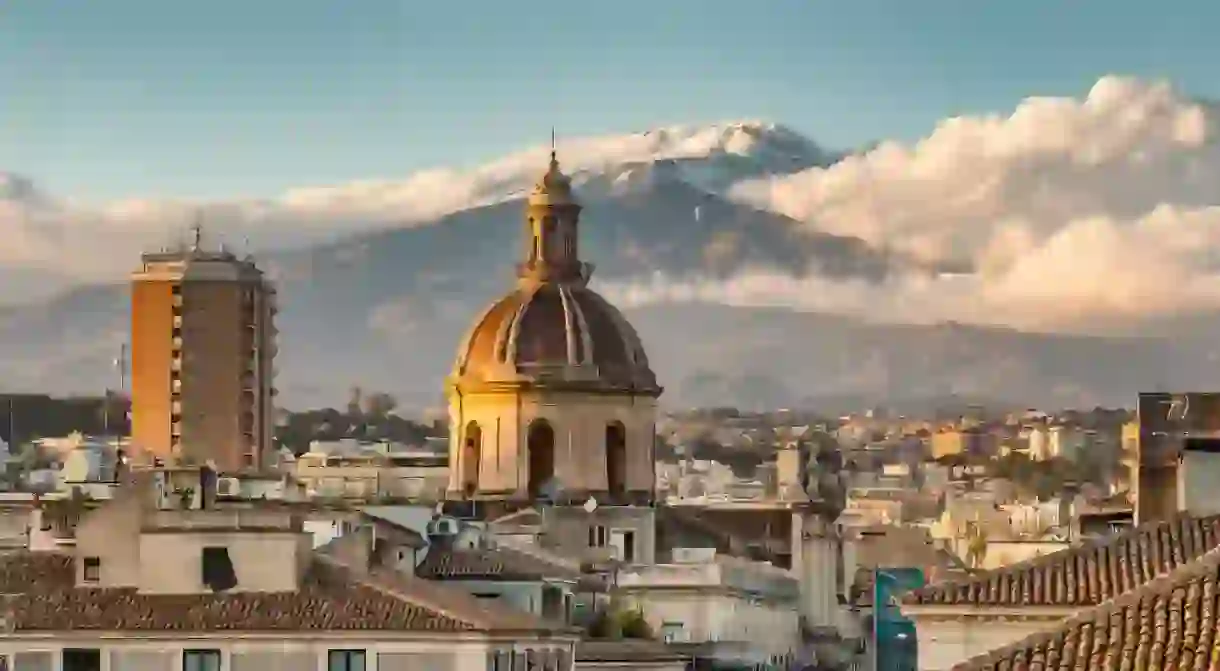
column 227, row 98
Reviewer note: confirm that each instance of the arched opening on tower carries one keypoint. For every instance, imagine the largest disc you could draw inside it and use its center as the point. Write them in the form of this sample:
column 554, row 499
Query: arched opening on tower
column 616, row 458
column 472, row 454
column 540, row 442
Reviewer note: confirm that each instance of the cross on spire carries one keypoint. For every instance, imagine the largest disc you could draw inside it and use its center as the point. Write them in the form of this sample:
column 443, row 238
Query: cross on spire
column 554, row 159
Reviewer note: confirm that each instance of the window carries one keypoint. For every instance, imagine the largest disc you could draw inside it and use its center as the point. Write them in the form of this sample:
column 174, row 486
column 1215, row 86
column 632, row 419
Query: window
column 500, row 660
column 597, row 536
column 82, row 659
column 92, row 569
column 345, row 660
column 200, row 660
column 628, row 547
column 217, row 568
column 671, row 632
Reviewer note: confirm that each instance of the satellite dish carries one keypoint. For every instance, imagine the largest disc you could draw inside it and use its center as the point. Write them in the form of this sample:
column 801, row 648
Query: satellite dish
column 590, row 505
column 550, row 490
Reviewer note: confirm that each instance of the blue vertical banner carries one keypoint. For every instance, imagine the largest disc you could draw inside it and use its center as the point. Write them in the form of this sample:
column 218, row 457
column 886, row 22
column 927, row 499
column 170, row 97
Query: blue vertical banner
column 895, row 646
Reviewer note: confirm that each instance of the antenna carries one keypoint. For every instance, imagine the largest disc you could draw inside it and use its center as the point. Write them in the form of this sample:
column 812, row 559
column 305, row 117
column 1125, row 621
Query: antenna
column 553, row 152
column 197, row 231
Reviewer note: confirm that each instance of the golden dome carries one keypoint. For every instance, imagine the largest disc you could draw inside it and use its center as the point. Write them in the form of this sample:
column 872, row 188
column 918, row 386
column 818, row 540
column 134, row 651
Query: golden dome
column 555, row 334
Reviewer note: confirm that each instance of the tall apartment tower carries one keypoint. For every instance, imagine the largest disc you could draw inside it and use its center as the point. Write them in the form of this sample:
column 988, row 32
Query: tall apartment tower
column 202, row 347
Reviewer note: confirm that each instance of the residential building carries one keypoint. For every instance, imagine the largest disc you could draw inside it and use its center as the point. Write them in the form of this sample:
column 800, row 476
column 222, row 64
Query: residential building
column 547, row 589
column 952, row 442
column 202, row 347
column 1066, row 442
column 961, row 619
column 1020, row 607
column 164, row 578
column 1164, row 622
column 368, row 471
column 747, row 610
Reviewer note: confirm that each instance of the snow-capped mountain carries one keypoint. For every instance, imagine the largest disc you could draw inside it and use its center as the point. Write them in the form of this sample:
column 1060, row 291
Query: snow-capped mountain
column 380, row 278
column 710, row 158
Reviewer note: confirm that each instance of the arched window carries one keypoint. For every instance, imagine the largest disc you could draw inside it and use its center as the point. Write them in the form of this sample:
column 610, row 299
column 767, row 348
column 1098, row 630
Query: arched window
column 616, row 458
column 540, row 442
column 472, row 454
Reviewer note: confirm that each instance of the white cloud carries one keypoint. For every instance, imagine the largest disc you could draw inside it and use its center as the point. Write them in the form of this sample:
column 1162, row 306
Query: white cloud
column 41, row 231
column 1071, row 211
column 1074, row 213
column 1090, row 275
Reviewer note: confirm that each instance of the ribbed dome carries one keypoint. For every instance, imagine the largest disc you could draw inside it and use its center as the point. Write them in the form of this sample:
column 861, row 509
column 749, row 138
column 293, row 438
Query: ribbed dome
column 555, row 334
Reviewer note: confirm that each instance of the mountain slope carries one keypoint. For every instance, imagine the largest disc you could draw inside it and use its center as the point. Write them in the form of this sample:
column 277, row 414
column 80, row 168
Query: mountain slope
column 386, row 310
column 385, row 303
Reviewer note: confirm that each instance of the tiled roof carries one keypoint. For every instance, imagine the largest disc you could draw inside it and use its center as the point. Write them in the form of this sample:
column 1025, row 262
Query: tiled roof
column 628, row 651
column 489, row 564
column 1084, row 575
column 1169, row 623
column 40, row 595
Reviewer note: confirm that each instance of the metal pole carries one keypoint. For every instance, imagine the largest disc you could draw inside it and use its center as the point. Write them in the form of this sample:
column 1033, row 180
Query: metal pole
column 877, row 618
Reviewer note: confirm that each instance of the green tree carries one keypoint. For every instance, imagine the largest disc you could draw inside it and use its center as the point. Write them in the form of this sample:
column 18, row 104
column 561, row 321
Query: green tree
column 633, row 624
column 379, row 404
column 616, row 622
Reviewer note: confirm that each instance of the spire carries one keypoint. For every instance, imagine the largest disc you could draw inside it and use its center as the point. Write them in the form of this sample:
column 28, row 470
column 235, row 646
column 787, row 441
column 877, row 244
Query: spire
column 554, row 188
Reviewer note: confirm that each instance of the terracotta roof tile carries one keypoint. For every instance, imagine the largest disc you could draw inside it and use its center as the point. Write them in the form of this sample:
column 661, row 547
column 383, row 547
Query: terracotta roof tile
column 1169, row 623
column 489, row 564
column 40, row 595
column 1084, row 575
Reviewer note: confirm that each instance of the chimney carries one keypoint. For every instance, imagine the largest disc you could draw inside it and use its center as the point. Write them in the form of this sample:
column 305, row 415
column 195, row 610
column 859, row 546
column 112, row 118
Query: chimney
column 207, row 487
column 1198, row 473
column 354, row 550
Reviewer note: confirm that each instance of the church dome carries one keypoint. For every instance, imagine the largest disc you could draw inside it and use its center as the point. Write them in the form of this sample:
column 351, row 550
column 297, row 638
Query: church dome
column 551, row 329
column 560, row 333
